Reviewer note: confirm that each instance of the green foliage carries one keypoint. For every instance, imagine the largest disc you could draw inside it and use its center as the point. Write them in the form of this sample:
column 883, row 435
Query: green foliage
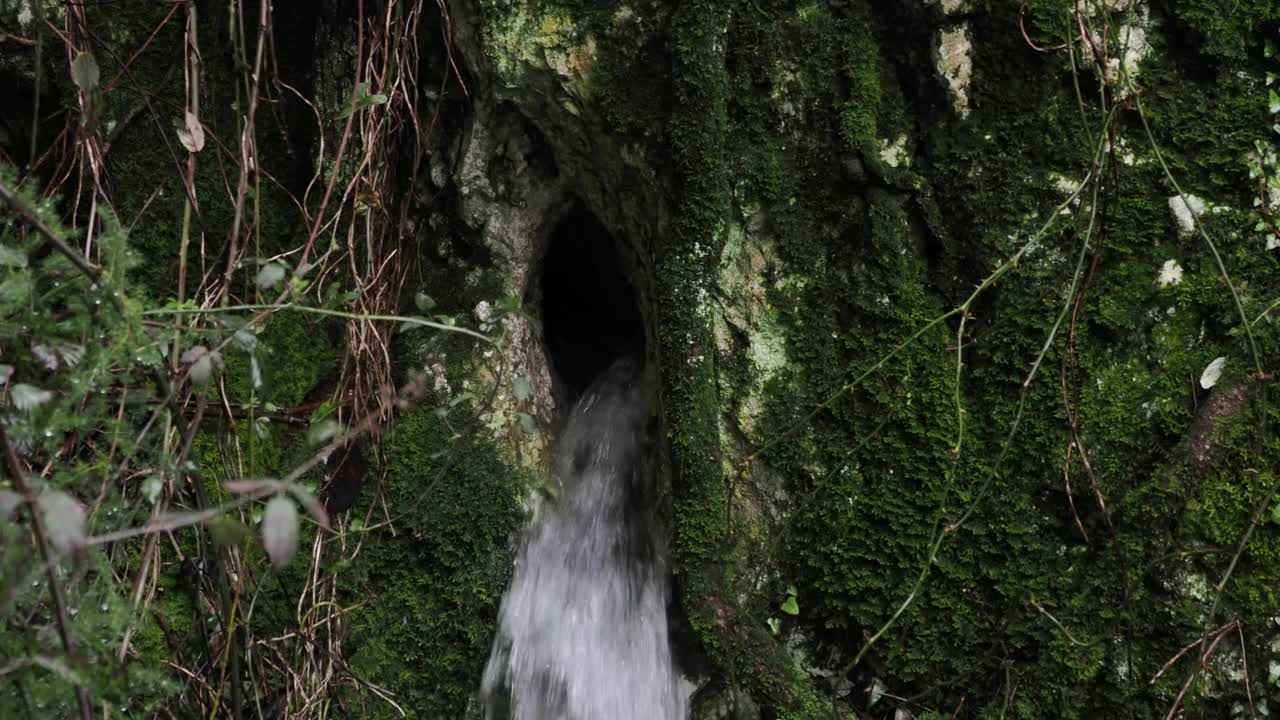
column 75, row 344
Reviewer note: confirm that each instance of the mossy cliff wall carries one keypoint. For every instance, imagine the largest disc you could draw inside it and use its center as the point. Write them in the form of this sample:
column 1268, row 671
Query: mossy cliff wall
column 801, row 190
column 836, row 175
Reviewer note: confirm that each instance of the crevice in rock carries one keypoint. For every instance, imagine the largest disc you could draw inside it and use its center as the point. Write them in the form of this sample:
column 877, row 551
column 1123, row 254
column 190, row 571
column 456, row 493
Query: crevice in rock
column 590, row 316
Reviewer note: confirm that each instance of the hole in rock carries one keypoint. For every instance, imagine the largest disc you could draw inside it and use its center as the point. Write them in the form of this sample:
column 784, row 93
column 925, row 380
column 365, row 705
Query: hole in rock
column 589, row 312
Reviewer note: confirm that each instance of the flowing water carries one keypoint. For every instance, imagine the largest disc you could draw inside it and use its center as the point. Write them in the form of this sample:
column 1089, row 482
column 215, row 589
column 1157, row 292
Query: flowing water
column 582, row 632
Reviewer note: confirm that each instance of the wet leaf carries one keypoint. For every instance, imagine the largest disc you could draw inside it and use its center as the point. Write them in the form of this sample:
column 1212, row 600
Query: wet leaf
column 313, row 506
column 520, row 386
column 9, row 501
column 151, row 488
column 1212, row 372
column 84, row 71
column 194, row 354
column 245, row 340
column 270, row 275
column 790, row 606
column 322, row 432
column 280, row 531
column 71, row 353
column 64, row 520
column 191, row 133
column 29, row 397
column 12, row 257
column 45, row 355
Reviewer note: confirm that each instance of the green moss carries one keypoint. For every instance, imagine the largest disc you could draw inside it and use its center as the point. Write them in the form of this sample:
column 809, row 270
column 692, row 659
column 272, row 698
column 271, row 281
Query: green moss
column 431, row 590
column 292, row 354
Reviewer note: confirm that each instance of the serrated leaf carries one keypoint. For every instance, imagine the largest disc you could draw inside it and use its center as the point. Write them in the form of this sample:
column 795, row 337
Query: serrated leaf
column 1212, row 372
column 71, row 353
column 45, row 355
column 520, row 386
column 64, row 520
column 12, row 257
column 280, row 531
column 29, row 397
column 84, row 71
column 790, row 606
column 322, row 432
column 313, row 506
column 527, row 424
column 270, row 275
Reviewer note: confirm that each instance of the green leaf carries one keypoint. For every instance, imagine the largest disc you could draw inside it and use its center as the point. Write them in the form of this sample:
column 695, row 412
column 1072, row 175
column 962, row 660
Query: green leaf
column 790, row 606
column 527, row 424
column 520, row 386
column 84, row 71
column 1275, row 514
column 424, row 302
column 774, row 625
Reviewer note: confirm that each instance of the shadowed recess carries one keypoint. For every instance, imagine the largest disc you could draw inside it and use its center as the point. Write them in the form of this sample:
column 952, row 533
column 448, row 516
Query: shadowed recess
column 589, row 308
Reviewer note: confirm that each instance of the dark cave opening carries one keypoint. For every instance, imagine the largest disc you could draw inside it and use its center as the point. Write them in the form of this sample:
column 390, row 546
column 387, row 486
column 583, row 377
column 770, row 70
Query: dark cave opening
column 589, row 313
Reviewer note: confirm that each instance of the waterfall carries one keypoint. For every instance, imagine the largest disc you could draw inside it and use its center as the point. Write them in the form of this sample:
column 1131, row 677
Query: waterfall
column 582, row 631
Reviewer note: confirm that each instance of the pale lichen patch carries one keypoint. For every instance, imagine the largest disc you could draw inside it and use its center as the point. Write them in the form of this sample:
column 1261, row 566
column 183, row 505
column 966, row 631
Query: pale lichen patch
column 895, row 154
column 541, row 38
column 1185, row 210
column 745, row 262
column 955, row 65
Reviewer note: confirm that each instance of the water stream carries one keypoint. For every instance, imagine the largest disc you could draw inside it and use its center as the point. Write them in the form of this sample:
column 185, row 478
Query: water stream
column 582, row 631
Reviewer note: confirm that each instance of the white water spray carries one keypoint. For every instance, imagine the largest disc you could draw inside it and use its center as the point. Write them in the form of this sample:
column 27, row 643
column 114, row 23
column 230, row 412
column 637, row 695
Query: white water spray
column 582, row 632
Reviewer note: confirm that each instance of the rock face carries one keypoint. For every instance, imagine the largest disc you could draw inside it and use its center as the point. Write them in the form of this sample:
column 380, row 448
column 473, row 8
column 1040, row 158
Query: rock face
column 922, row 297
column 804, row 192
